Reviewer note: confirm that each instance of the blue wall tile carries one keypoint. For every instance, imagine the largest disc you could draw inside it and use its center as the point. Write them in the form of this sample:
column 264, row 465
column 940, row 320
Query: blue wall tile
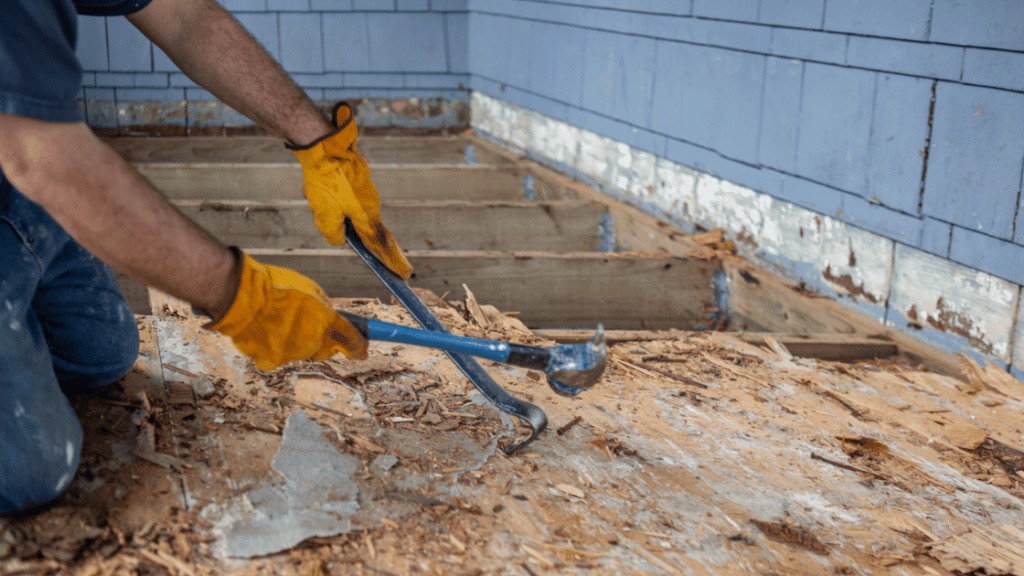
column 374, row 80
column 346, row 47
column 91, row 49
column 130, row 51
column 935, row 237
column 301, row 50
column 780, row 114
column 751, row 37
column 929, row 60
column 245, row 5
column 378, row 5
column 556, row 56
column 994, row 68
column 678, row 7
column 180, row 80
column 330, row 5
column 710, row 97
column 898, row 134
column 154, row 80
column 898, row 226
column 618, row 76
column 835, row 125
column 974, row 166
column 263, row 27
column 809, row 45
column 988, row 23
column 457, row 26
column 115, row 79
column 422, row 46
column 907, row 19
column 742, row 10
column 448, row 5
column 288, row 5
column 443, row 81
column 161, row 62
column 327, row 80
column 413, row 5
column 813, row 196
column 713, row 163
column 988, row 254
column 797, row 13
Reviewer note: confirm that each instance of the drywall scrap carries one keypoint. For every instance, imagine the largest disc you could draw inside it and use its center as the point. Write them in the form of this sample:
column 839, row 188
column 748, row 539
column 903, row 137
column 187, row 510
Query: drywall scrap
column 699, row 453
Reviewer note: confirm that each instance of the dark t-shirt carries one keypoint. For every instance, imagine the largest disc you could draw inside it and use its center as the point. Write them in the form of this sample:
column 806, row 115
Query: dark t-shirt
column 39, row 74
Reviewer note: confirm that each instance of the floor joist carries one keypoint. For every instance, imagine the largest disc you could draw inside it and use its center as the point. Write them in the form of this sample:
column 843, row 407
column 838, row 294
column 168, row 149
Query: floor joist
column 548, row 290
column 280, row 181
column 431, row 225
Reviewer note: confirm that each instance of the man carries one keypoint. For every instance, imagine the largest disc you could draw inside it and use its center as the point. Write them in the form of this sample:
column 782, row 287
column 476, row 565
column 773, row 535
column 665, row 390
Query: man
column 69, row 204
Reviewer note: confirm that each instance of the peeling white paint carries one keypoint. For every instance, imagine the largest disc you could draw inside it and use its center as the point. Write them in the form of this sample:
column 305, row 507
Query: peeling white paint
column 853, row 259
column 674, row 189
column 954, row 299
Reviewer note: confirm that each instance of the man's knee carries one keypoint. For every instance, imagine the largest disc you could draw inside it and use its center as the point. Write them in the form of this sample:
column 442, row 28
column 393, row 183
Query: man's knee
column 37, row 458
column 105, row 350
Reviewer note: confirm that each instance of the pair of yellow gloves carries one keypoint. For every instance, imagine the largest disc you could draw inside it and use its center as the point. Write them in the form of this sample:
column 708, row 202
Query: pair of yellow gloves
column 278, row 315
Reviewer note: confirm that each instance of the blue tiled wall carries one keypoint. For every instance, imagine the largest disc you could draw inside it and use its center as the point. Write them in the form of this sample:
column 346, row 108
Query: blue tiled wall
column 332, row 48
column 902, row 117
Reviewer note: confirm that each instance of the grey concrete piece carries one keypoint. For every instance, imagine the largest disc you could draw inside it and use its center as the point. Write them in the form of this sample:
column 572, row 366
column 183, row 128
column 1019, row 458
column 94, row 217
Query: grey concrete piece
column 315, row 499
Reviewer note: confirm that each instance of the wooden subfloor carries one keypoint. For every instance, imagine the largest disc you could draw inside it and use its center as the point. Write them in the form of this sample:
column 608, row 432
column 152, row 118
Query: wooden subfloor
column 805, row 440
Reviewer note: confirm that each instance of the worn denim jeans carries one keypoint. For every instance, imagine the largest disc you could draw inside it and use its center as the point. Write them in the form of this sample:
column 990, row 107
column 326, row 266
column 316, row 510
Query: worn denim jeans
column 64, row 325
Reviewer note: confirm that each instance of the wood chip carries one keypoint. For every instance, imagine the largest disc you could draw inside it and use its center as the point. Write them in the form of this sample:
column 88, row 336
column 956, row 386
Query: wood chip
column 544, row 560
column 570, row 490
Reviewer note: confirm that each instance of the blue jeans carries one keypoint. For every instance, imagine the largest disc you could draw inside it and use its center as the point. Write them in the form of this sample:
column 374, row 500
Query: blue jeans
column 64, row 325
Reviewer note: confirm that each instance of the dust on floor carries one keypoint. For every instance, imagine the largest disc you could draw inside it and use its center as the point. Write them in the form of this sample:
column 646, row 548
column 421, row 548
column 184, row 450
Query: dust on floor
column 698, row 454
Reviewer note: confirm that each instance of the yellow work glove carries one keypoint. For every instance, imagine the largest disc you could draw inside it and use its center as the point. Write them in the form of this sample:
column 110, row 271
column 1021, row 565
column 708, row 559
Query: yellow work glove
column 338, row 186
column 279, row 316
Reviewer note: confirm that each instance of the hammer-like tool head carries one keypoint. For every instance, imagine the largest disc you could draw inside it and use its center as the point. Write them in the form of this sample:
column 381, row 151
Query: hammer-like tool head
column 574, row 368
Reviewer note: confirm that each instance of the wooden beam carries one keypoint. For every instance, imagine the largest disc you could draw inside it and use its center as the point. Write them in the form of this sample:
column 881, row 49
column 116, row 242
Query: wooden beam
column 548, row 290
column 239, row 181
column 834, row 347
column 765, row 302
column 437, row 225
column 563, row 336
column 375, row 149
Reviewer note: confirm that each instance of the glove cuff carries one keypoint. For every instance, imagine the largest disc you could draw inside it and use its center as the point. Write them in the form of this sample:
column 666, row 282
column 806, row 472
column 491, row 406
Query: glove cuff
column 246, row 302
column 342, row 117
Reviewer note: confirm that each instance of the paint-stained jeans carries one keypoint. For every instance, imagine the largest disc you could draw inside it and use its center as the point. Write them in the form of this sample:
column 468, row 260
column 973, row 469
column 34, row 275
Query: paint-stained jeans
column 64, row 324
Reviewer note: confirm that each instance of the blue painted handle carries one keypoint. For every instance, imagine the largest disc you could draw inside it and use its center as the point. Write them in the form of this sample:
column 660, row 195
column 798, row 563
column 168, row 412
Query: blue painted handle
column 377, row 330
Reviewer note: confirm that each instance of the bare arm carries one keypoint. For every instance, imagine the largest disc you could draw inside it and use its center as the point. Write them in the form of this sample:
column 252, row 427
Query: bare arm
column 114, row 212
column 213, row 49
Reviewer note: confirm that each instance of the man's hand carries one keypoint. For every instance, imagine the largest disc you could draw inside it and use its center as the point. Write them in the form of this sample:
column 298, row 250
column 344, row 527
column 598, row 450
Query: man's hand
column 338, row 186
column 279, row 316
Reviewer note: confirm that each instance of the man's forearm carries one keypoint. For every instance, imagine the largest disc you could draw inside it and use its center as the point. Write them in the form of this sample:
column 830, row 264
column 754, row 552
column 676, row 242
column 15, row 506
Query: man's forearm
column 114, row 212
column 217, row 53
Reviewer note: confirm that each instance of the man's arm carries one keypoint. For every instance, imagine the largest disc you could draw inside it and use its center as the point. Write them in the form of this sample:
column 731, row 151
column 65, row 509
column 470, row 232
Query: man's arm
column 114, row 212
column 216, row 52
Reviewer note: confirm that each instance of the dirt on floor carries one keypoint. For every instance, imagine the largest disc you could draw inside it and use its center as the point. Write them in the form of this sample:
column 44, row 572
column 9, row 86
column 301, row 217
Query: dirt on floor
column 698, row 454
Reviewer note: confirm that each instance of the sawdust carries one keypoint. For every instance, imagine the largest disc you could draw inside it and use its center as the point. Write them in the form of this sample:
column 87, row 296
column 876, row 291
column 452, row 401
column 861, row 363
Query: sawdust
column 744, row 460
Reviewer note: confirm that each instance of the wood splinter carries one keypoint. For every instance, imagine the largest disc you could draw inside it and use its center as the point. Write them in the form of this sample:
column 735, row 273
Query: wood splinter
column 561, row 431
column 848, row 467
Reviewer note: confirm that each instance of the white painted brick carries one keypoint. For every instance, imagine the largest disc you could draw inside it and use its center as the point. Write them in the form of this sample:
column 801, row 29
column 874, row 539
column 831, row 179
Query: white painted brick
column 596, row 159
column 736, row 209
column 555, row 140
column 855, row 263
column 791, row 232
column 674, row 189
column 956, row 307
column 642, row 175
